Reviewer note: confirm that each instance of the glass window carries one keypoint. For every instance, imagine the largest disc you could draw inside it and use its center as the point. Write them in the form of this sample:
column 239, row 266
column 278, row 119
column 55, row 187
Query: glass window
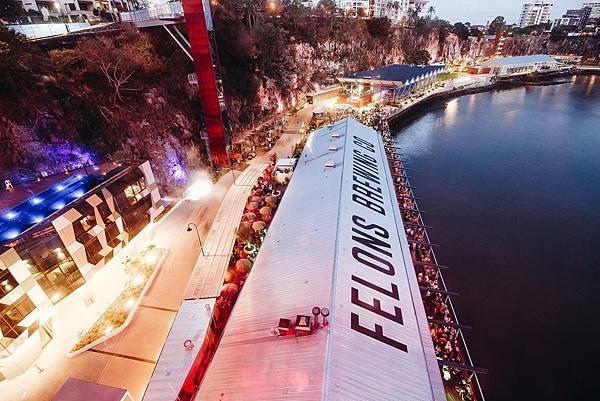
column 134, row 191
column 12, row 315
column 104, row 211
column 7, row 282
column 112, row 234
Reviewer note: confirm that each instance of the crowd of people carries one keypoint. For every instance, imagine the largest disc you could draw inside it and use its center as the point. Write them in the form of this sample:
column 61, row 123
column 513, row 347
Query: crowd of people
column 370, row 116
column 251, row 143
column 447, row 338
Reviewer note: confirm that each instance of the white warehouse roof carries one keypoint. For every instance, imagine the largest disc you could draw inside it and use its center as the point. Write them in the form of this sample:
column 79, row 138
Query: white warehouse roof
column 336, row 241
column 520, row 60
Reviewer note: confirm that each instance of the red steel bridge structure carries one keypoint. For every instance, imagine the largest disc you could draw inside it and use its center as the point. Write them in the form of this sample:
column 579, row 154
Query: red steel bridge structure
column 200, row 47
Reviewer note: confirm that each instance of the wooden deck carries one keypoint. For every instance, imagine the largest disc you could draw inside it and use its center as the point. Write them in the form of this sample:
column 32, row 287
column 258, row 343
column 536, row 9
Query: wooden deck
column 207, row 277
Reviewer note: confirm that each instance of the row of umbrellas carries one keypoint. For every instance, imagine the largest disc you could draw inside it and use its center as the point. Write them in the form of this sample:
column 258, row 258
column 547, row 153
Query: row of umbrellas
column 257, row 205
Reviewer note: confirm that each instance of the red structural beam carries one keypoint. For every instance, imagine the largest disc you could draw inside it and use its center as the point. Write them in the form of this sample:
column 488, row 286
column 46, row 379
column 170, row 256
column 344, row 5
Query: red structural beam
column 207, row 85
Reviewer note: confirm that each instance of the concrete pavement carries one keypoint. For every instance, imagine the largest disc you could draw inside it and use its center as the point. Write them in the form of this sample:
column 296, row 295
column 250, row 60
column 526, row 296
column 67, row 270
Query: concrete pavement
column 127, row 360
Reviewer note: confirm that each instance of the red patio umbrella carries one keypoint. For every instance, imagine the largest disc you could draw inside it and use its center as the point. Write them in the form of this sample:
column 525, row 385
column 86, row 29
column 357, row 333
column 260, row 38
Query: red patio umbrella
column 243, row 266
column 270, row 200
column 244, row 229
column 259, row 225
column 229, row 290
column 250, row 216
column 264, row 211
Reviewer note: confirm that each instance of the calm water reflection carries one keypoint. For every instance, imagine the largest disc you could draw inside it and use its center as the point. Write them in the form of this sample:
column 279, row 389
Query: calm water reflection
column 511, row 180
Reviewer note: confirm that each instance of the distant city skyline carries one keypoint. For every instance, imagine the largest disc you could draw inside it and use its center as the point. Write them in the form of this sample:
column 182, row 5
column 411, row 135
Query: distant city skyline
column 481, row 11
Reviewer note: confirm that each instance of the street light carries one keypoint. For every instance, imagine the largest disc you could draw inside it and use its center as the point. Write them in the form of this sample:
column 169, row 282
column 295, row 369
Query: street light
column 189, row 228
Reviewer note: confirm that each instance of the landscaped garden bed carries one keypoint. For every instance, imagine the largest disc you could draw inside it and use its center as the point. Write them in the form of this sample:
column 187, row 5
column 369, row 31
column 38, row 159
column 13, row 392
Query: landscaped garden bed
column 140, row 270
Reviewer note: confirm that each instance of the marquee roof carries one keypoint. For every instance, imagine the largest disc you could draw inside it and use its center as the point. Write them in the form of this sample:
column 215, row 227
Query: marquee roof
column 395, row 74
column 336, row 241
column 519, row 60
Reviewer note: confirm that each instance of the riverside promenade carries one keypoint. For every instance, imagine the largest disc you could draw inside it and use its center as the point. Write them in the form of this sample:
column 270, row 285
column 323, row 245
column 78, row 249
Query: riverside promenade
column 454, row 87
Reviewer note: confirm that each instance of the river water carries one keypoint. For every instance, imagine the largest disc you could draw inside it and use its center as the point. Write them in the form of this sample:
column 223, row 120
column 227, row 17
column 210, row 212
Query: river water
column 511, row 183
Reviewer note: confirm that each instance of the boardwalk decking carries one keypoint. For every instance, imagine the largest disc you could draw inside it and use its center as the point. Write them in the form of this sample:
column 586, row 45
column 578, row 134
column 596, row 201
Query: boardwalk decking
column 207, row 277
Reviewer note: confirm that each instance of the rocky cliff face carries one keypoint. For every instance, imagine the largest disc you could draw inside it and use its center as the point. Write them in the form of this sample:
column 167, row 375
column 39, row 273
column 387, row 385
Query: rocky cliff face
column 317, row 63
column 59, row 110
column 311, row 64
column 531, row 44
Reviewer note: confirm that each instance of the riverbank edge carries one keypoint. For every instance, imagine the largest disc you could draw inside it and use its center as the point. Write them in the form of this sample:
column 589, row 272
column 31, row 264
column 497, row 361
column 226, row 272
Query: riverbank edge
column 417, row 109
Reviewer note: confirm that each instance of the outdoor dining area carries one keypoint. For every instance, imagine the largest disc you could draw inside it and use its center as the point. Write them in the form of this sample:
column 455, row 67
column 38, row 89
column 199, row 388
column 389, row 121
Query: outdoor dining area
column 259, row 210
column 443, row 327
column 258, row 140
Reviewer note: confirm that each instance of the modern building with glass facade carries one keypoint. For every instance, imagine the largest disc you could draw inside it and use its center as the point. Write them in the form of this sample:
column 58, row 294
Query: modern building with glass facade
column 52, row 244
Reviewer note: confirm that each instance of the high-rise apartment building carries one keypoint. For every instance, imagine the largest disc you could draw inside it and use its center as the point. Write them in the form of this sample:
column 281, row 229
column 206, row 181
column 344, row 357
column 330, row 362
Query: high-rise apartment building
column 595, row 9
column 395, row 10
column 535, row 14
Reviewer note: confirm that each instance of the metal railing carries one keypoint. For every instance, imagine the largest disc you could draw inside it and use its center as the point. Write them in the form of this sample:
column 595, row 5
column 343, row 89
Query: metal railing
column 164, row 11
column 447, row 299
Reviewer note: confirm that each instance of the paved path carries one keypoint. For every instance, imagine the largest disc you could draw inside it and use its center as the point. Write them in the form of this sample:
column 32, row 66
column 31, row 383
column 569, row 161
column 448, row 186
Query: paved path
column 208, row 274
column 128, row 359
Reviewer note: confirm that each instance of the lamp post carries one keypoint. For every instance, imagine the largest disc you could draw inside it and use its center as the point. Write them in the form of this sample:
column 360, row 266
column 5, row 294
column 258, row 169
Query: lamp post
column 231, row 168
column 189, row 228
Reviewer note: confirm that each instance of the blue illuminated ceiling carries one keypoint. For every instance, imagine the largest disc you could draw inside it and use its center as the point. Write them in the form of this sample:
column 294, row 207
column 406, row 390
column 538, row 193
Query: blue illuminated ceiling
column 14, row 221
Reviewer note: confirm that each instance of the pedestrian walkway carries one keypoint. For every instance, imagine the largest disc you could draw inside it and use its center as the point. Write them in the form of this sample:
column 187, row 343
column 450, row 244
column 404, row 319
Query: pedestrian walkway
column 207, row 277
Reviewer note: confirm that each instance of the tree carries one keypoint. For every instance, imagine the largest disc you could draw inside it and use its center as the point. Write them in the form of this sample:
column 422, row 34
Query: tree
column 461, row 31
column 419, row 57
column 21, row 64
column 379, row 28
column 327, row 6
column 431, row 11
column 11, row 10
column 497, row 25
column 116, row 58
column 413, row 15
column 251, row 11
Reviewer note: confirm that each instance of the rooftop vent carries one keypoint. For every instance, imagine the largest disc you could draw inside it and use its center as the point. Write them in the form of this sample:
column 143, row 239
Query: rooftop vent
column 329, row 165
column 332, row 149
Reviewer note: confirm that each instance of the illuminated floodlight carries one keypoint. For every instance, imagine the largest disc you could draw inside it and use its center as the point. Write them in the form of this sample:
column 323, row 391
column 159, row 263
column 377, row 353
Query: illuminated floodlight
column 108, row 329
column 10, row 215
column 96, row 168
column 77, row 194
column 55, row 297
column 35, row 200
column 129, row 303
column 58, row 205
column 11, row 234
column 199, row 189
column 37, row 219
column 151, row 258
column 139, row 279
column 60, row 187
column 45, row 315
column 79, row 176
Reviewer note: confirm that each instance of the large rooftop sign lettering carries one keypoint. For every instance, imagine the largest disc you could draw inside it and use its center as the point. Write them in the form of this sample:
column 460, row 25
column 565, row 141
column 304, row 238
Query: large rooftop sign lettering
column 376, row 305
column 337, row 242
